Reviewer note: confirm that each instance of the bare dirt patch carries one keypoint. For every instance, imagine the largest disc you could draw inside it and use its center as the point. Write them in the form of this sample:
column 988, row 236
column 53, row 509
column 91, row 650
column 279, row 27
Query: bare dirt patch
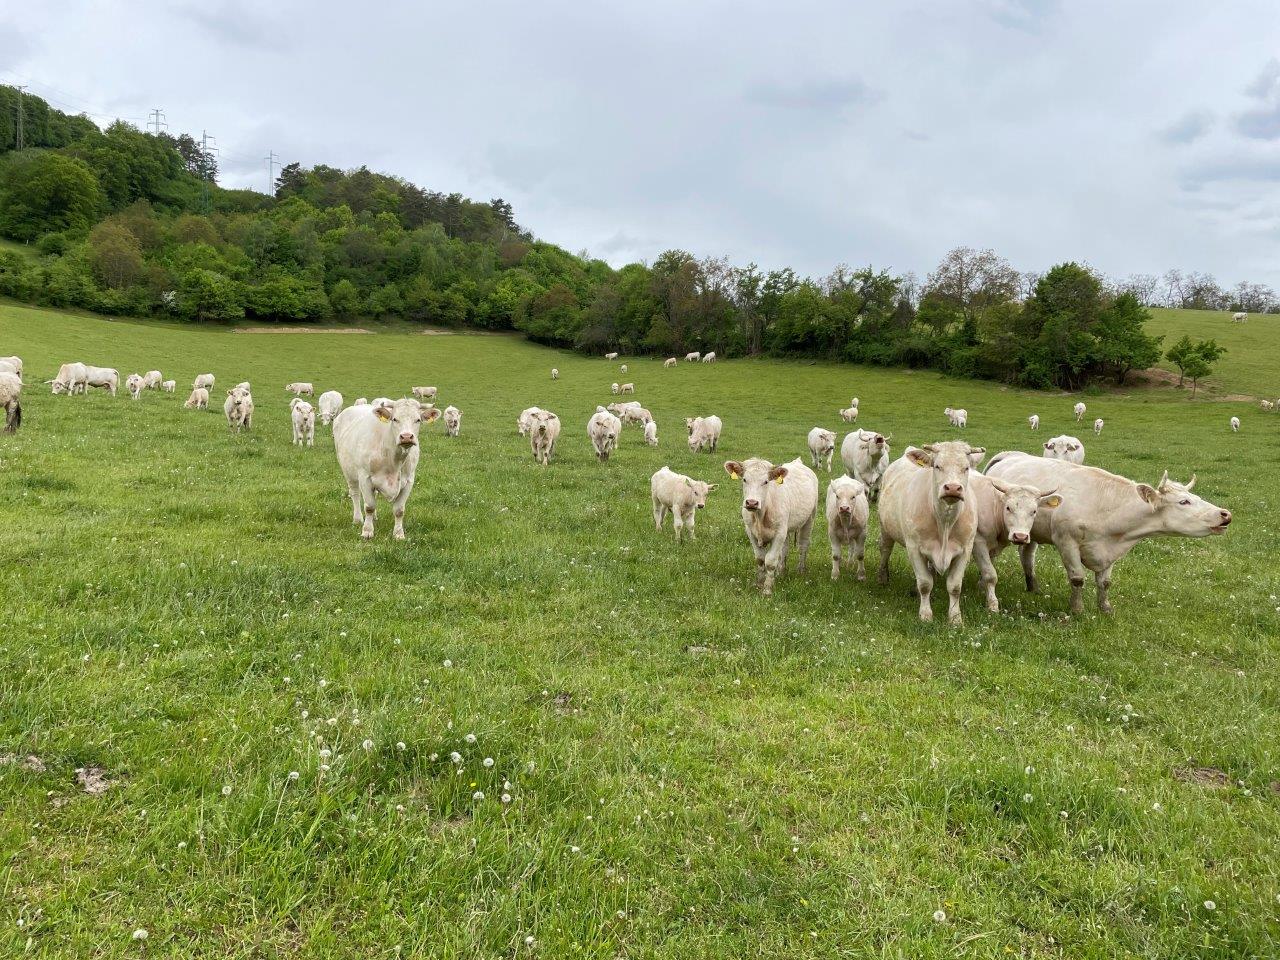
column 1204, row 776
column 92, row 780
column 302, row 330
column 31, row 763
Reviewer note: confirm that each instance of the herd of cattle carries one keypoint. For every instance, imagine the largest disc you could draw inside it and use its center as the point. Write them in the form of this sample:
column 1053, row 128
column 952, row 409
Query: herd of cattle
column 932, row 500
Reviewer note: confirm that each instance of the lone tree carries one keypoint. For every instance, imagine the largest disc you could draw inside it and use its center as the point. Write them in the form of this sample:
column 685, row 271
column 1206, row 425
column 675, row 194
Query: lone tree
column 1194, row 360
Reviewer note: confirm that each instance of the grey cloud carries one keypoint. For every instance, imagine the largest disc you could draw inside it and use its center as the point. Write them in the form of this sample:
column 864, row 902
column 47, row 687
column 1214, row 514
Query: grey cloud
column 14, row 46
column 1026, row 15
column 1188, row 128
column 236, row 23
column 1262, row 122
column 831, row 94
column 1248, row 169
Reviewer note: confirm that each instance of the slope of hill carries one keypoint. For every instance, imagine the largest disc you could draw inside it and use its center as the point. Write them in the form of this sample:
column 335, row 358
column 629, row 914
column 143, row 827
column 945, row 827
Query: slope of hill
column 1252, row 362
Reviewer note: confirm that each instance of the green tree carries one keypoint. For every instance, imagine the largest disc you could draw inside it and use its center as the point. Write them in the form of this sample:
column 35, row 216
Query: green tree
column 208, row 295
column 1123, row 343
column 1194, row 361
column 1180, row 354
column 115, row 255
column 41, row 192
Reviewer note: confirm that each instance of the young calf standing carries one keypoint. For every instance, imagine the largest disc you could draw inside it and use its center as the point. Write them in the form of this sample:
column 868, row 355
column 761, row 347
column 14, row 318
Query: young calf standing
column 847, row 512
column 1006, row 514
column 682, row 496
column 776, row 502
column 304, row 422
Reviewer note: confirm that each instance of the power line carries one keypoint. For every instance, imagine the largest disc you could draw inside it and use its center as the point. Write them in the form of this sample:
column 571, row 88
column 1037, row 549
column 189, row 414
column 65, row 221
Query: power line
column 206, row 172
column 271, row 159
column 156, row 119
column 22, row 109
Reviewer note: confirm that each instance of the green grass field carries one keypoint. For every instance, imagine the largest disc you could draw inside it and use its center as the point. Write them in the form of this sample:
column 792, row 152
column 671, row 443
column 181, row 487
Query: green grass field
column 692, row 770
column 1250, row 365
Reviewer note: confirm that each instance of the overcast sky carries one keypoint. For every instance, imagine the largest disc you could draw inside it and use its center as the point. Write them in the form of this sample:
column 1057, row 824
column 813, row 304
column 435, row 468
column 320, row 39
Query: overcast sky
column 1136, row 135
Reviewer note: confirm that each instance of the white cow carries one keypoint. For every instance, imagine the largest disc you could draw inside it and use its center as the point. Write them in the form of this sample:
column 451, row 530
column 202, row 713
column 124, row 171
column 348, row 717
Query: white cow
column 304, row 422
column 199, row 399
column 71, row 379
column 1006, row 513
column 544, row 430
column 634, row 413
column 152, row 379
column 670, row 362
column 611, row 356
column 1239, row 317
column 300, row 388
column 238, row 408
column 651, row 433
column 330, row 404
column 1065, row 448
column 926, row 505
column 169, row 386
column 243, row 385
column 555, row 374
column 1235, row 424
column 1267, row 406
column 627, row 388
column 452, row 421
column 378, row 452
column 847, row 514
column 108, row 378
column 14, row 364
column 1098, row 425
column 680, row 496
column 865, row 455
column 777, row 502
column 361, row 402
column 704, row 433
column 1079, row 411
column 958, row 416
column 525, row 420
column 135, row 383
column 1102, row 517
column 11, row 401
column 849, row 414
column 709, row 357
column 204, row 380
column 619, row 409
column 425, row 393
column 615, row 388
column 1034, row 420
column 692, row 356
column 604, row 429
column 822, row 446
column 623, row 368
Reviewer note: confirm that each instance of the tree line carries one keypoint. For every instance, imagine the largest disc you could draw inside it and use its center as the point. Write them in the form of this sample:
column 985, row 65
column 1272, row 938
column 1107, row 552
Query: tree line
column 125, row 222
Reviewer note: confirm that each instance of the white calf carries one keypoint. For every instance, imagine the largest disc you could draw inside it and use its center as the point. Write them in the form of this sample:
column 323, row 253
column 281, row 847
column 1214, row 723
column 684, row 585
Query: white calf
column 452, row 421
column 680, row 496
column 822, row 447
column 847, row 513
column 777, row 502
column 304, row 422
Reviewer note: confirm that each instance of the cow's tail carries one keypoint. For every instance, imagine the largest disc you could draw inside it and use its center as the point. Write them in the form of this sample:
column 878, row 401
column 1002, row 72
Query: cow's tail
column 14, row 419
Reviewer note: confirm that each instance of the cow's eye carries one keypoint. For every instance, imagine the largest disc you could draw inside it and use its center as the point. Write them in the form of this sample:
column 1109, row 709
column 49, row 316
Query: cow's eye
column 1185, row 503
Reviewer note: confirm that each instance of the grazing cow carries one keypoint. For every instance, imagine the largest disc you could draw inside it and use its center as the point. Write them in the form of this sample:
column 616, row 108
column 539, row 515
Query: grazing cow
column 1267, row 406
column 958, row 416
column 670, row 362
column 615, row 388
column 604, row 429
column 680, row 496
column 452, row 421
column 1102, row 517
column 692, row 356
column 849, row 414
column 611, row 356
column 135, row 383
column 1235, row 424
column 107, row 378
column 1006, row 513
column 777, row 502
column 634, row 413
column 865, row 455
column 238, row 408
column 11, row 401
column 525, row 420
column 544, row 430
column 618, row 409
column 822, row 446
column 704, row 433
column 709, row 357
column 623, row 368
column 169, row 386
column 152, row 379
column 1079, row 411
column 651, row 433
column 378, row 451
column 627, row 388
column 425, row 393
column 204, row 380
column 330, row 403
column 72, row 378
column 304, row 422
column 1034, row 420
column 300, row 389
column 1239, row 317
column 927, row 506
column 555, row 374
column 1065, row 448
column 1098, row 425
column 199, row 399
column 14, row 365
column 243, row 385
column 847, row 514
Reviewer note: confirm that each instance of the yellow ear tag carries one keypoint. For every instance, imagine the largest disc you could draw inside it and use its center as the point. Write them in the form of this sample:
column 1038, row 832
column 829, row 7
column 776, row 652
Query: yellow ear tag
column 381, row 414
column 779, row 481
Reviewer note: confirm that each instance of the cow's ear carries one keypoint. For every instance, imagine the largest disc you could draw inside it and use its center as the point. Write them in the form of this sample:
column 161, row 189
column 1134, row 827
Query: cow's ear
column 711, row 486
column 1048, row 445
column 778, row 474
column 921, row 458
column 1148, row 493
column 688, row 482
column 1051, row 501
column 733, row 468
column 382, row 413
column 976, row 454
column 431, row 413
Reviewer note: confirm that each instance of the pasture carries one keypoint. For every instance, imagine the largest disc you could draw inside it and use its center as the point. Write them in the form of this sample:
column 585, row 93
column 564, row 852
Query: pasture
column 1249, row 366
column 690, row 770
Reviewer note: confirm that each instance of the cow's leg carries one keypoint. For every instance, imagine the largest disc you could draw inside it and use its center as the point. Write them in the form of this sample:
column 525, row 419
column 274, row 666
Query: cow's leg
column 1103, row 579
column 924, row 583
column 353, row 491
column 835, row 556
column 955, row 581
column 1027, row 554
column 987, row 578
column 803, row 535
column 775, row 562
column 659, row 514
column 397, row 508
column 689, row 524
column 368, row 495
column 859, row 549
column 886, row 550
column 677, row 521
column 1069, row 550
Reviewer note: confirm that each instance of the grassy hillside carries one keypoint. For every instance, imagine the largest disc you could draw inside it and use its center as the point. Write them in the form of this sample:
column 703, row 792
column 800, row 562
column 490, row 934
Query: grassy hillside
column 692, row 770
column 1252, row 363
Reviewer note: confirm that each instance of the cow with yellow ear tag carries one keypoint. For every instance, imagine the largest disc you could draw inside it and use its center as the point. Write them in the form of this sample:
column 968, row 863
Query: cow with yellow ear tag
column 378, row 449
column 777, row 502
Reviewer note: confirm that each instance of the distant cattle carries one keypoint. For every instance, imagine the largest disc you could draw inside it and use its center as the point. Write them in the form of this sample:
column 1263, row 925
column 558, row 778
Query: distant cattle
column 670, row 362
column 152, row 379
column 611, row 356
column 105, row 378
column 452, row 421
column 692, row 356
column 615, row 388
column 865, row 455
column 1098, row 425
column 425, row 393
column 604, row 429
column 135, row 383
column 847, row 512
column 238, row 409
column 778, row 502
column 11, row 365
column 71, row 379
column 555, row 374
column 11, row 401
column 303, row 416
column 680, row 496
column 1235, row 424
column 623, row 368
column 300, row 389
column 204, row 380
column 1066, row 448
column 199, row 399
column 822, row 447
column 709, row 357
column 1034, row 420
column 544, row 430
column 330, row 404
column 1239, row 317
column 651, row 433
column 169, row 386
column 627, row 388
column 1079, row 409
column 704, row 433
column 958, row 416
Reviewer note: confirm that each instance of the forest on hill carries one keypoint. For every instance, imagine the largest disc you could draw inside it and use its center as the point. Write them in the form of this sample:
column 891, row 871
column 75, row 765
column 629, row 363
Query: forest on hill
column 127, row 222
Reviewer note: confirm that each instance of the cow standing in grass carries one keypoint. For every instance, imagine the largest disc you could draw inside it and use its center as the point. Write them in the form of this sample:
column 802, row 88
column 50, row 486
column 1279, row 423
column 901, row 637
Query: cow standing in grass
column 777, row 502
column 11, row 401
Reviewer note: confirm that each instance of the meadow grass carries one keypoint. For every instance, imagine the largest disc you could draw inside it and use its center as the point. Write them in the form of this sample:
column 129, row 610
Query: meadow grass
column 1250, row 365
column 692, row 770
